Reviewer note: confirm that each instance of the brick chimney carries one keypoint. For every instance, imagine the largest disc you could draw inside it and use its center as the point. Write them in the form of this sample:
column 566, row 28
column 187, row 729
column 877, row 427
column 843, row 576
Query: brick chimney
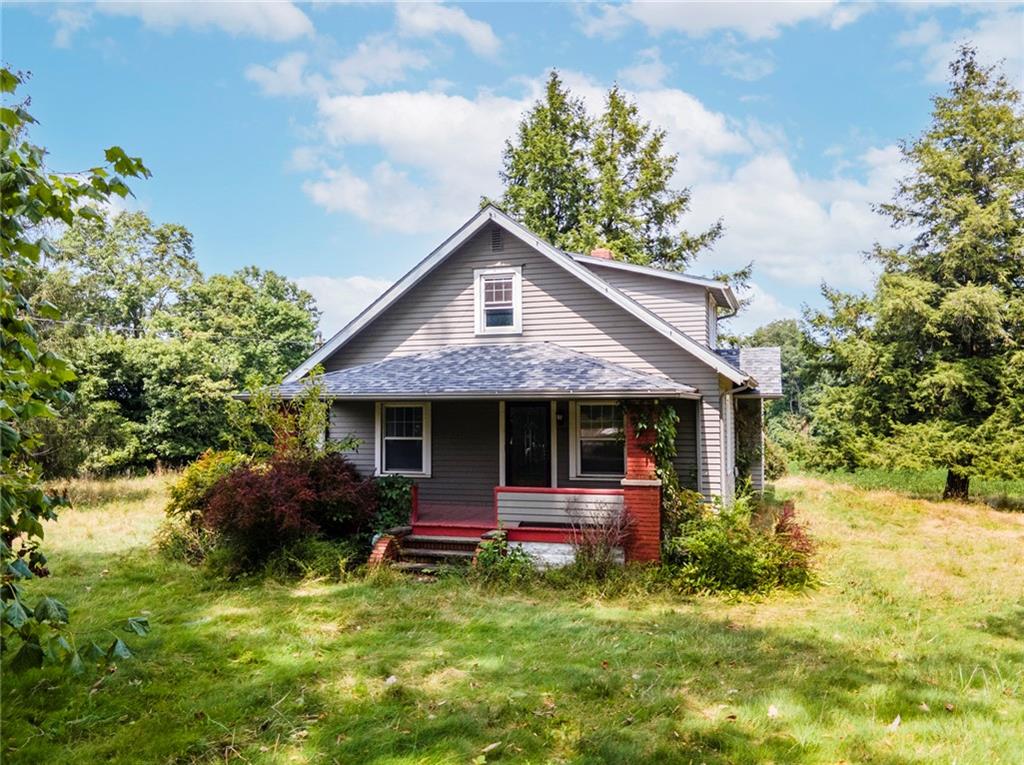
column 601, row 252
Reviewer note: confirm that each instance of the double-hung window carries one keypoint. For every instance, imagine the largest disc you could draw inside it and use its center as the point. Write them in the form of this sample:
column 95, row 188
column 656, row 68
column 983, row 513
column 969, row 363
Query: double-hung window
column 404, row 438
column 499, row 300
column 598, row 440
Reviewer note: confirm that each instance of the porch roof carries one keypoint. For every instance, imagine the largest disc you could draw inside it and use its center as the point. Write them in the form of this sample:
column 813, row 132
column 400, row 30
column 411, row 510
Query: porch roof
column 763, row 364
column 506, row 370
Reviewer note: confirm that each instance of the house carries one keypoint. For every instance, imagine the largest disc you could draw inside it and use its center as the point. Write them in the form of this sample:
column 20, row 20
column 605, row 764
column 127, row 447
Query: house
column 497, row 374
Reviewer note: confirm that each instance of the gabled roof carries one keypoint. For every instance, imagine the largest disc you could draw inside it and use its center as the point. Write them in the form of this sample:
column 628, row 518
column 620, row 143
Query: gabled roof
column 505, row 370
column 764, row 364
column 491, row 214
column 723, row 293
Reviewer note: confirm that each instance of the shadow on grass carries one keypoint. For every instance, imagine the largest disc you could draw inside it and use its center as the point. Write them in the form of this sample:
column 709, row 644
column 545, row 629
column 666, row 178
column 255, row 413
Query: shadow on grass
column 408, row 672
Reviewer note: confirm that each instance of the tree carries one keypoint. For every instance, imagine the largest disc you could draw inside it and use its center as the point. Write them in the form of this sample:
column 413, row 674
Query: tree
column 33, row 381
column 606, row 182
column 926, row 371
column 796, row 365
column 546, row 172
column 158, row 349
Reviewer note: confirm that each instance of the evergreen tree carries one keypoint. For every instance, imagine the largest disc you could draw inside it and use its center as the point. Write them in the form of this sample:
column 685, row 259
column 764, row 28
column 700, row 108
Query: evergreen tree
column 584, row 183
column 928, row 371
column 547, row 184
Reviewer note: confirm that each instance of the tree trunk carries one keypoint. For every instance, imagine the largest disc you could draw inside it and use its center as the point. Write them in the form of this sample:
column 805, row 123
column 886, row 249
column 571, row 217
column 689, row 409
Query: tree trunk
column 956, row 486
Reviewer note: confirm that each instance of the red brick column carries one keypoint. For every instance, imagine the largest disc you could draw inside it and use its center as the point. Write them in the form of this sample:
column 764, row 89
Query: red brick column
column 384, row 551
column 642, row 500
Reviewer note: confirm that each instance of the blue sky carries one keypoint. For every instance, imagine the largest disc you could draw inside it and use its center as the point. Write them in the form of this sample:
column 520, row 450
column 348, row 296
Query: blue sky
column 339, row 143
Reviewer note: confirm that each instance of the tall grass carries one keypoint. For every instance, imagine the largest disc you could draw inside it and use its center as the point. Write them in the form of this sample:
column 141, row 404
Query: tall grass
column 929, row 484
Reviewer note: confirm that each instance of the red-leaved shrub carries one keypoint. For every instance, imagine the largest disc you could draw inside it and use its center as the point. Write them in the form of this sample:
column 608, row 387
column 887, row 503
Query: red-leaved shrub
column 260, row 508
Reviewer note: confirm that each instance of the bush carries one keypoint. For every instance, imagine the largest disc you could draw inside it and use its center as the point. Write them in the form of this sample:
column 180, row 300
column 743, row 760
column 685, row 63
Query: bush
column 185, row 540
column 394, row 502
column 191, row 492
column 597, row 547
column 259, row 509
column 775, row 463
column 725, row 550
column 498, row 562
column 316, row 557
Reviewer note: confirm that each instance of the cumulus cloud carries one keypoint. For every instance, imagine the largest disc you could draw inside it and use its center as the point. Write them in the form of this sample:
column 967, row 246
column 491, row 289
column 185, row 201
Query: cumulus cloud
column 649, row 71
column 279, row 21
column 285, row 77
column 428, row 19
column 997, row 33
column 798, row 229
column 376, row 61
column 738, row 61
column 698, row 19
column 341, row 298
column 69, row 19
column 764, row 307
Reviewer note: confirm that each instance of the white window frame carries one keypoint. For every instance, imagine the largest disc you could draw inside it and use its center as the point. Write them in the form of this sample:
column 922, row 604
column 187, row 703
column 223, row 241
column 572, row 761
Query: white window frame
column 575, row 473
column 480, row 325
column 379, row 437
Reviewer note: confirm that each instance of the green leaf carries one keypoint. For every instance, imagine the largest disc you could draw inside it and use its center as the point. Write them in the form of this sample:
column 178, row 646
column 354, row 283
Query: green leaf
column 138, row 624
column 53, row 611
column 9, row 438
column 75, row 665
column 8, row 81
column 118, row 650
column 94, row 653
column 16, row 615
column 19, row 570
column 29, row 656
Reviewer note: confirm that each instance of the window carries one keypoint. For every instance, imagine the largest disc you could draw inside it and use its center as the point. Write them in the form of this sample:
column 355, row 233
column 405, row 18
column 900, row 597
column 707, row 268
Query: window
column 499, row 301
column 404, row 436
column 598, row 440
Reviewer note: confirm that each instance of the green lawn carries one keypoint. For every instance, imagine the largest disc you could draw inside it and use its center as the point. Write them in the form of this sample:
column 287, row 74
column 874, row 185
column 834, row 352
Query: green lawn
column 920, row 617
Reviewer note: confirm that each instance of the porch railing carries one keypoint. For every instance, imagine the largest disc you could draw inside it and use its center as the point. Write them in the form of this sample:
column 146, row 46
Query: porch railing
column 529, row 506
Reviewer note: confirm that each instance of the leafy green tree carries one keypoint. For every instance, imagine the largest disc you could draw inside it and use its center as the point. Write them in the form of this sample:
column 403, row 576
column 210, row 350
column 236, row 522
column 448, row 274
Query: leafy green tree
column 927, row 371
column 606, row 182
column 261, row 322
column 33, row 381
column 796, row 364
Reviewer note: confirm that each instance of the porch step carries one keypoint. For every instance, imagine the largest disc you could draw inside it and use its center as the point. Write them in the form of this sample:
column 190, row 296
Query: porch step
column 409, row 553
column 428, row 539
column 429, row 569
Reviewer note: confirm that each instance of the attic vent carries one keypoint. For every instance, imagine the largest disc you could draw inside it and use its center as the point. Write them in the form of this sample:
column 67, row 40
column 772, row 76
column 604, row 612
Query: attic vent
column 497, row 241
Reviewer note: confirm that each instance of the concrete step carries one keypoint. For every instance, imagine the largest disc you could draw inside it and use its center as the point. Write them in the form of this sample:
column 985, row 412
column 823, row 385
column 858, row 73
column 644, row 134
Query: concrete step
column 419, row 540
column 409, row 553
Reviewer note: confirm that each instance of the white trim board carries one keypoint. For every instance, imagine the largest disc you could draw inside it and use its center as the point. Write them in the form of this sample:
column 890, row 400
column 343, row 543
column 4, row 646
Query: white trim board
column 581, row 272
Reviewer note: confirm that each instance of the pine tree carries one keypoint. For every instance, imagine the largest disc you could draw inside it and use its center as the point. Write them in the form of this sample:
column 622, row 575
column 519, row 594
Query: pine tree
column 929, row 370
column 545, row 173
column 583, row 183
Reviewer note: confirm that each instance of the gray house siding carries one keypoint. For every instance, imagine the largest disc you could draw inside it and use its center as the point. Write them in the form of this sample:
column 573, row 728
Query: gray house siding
column 682, row 305
column 685, row 461
column 557, row 307
column 355, row 418
column 464, row 454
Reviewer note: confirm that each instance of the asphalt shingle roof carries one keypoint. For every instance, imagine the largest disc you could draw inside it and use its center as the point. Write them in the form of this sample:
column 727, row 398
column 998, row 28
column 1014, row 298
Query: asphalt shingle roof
column 763, row 364
column 507, row 369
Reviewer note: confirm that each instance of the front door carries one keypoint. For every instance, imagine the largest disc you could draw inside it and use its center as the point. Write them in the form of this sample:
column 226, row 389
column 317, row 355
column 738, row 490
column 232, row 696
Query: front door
column 527, row 444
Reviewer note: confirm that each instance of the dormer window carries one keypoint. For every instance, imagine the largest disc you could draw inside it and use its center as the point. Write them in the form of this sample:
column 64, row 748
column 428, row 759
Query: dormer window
column 499, row 300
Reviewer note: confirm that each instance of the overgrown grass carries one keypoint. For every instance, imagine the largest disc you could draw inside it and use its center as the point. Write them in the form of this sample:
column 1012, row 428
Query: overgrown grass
column 920, row 617
column 929, row 484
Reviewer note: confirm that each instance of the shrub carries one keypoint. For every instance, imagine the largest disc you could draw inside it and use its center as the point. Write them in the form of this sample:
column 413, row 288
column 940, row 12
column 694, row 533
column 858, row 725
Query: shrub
column 258, row 509
column 190, row 493
column 184, row 540
column 316, row 557
column 597, row 547
column 394, row 502
column 498, row 562
column 775, row 463
column 724, row 550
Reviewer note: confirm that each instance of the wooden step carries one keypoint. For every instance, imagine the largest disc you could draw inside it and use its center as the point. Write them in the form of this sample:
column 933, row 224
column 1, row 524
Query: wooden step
column 417, row 539
column 425, row 552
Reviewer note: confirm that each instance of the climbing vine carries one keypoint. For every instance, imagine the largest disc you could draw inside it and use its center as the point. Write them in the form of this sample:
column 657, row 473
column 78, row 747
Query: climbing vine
column 678, row 505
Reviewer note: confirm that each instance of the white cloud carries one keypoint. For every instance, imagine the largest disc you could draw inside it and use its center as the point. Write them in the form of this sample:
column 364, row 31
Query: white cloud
column 649, row 71
column 797, row 229
column 426, row 19
column 376, row 61
column 69, row 20
column 755, row 20
column 441, row 152
column 764, row 307
column 286, row 77
column 735, row 61
column 997, row 33
column 276, row 20
column 341, row 298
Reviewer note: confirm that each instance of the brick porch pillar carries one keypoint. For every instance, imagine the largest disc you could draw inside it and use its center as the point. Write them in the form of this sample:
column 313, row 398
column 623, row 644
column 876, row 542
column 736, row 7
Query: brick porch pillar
column 642, row 500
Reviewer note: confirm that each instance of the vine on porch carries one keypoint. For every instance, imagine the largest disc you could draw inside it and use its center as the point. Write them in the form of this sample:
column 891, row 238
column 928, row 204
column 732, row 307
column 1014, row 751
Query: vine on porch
column 678, row 505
